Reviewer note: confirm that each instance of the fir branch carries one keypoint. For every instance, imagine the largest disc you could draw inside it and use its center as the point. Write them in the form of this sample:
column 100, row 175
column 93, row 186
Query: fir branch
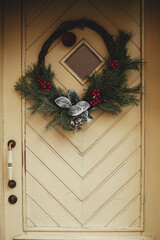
column 135, row 90
column 123, row 38
column 125, row 96
column 44, row 106
column 109, row 107
column 26, row 89
column 61, row 118
column 133, row 64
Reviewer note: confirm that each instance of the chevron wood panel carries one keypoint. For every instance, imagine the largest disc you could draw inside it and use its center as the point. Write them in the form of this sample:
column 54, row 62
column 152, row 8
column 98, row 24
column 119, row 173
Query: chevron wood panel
column 30, row 223
column 132, row 9
column 53, row 184
column 90, row 180
column 37, row 216
column 116, row 204
column 49, row 203
column 130, row 213
column 34, row 8
column 135, row 222
column 119, row 17
column 79, row 9
column 50, row 13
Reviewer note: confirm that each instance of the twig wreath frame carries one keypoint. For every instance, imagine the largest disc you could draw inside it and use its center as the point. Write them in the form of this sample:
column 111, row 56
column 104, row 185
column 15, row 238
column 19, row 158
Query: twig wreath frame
column 107, row 91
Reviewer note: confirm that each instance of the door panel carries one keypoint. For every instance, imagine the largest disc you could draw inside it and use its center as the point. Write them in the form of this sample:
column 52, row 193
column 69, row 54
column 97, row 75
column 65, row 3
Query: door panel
column 90, row 180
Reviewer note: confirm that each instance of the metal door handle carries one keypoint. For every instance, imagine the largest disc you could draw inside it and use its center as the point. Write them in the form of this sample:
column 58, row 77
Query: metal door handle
column 11, row 182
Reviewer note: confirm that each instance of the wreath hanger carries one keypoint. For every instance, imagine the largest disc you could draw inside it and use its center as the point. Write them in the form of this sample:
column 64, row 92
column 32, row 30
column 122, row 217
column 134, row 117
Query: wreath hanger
column 70, row 25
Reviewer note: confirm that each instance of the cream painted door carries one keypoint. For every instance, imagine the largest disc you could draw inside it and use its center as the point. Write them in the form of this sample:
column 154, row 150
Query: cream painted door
column 88, row 181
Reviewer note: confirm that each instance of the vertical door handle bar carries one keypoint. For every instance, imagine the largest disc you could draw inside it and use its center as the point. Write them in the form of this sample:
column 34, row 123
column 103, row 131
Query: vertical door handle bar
column 11, row 182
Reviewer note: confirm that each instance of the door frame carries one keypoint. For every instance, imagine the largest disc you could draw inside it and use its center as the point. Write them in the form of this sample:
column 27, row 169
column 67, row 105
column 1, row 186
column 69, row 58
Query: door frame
column 1, row 125
column 143, row 117
column 10, row 123
column 142, row 54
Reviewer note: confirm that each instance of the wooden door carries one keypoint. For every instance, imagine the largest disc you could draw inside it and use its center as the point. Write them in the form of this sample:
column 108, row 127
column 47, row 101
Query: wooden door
column 90, row 180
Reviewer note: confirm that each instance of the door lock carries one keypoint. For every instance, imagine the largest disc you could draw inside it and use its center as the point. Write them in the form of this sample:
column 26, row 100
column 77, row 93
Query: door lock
column 12, row 199
column 12, row 183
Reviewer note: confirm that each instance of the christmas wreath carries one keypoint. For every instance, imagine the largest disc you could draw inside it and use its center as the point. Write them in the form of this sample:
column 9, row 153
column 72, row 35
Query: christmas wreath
column 107, row 91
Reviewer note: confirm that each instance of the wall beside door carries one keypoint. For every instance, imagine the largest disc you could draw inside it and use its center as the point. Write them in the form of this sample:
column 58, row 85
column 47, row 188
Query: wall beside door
column 1, row 120
column 152, row 159
column 10, row 112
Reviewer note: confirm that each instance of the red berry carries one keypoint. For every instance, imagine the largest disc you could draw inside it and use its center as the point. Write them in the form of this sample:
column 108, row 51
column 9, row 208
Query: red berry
column 45, row 90
column 116, row 60
column 45, row 82
column 49, row 89
column 97, row 90
column 48, row 83
column 113, row 67
column 117, row 64
column 44, row 86
column 97, row 94
column 49, row 86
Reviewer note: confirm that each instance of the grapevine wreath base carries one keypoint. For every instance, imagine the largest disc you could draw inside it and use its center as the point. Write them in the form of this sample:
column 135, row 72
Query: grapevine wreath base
column 107, row 91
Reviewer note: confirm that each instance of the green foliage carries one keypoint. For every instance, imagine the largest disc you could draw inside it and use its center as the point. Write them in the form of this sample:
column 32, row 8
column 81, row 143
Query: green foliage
column 42, row 102
column 112, row 85
column 60, row 118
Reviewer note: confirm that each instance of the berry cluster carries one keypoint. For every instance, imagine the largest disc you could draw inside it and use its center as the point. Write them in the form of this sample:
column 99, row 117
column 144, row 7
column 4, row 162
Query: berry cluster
column 113, row 64
column 95, row 97
column 45, row 86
